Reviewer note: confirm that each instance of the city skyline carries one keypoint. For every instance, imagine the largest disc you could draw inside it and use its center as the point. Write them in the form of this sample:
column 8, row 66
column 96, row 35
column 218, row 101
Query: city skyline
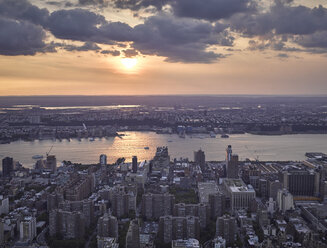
column 163, row 47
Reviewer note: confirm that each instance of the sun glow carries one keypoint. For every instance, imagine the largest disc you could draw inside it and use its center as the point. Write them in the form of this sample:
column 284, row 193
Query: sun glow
column 129, row 63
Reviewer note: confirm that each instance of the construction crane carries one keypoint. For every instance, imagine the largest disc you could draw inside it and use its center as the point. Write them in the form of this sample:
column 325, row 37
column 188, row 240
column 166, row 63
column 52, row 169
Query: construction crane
column 49, row 151
column 254, row 154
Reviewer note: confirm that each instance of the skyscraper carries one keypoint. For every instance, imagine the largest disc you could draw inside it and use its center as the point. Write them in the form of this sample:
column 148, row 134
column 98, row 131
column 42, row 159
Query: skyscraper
column 103, row 159
column 51, row 163
column 7, row 166
column 232, row 163
column 134, row 164
column 199, row 158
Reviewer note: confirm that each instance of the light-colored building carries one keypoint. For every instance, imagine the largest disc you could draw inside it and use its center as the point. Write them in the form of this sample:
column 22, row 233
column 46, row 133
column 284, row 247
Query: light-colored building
column 219, row 242
column 241, row 195
column 205, row 189
column 185, row 243
column 106, row 242
column 285, row 200
column 27, row 230
column 4, row 205
column 103, row 159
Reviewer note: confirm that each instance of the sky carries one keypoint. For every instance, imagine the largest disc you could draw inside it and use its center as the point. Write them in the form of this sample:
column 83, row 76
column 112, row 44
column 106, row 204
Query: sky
column 149, row 47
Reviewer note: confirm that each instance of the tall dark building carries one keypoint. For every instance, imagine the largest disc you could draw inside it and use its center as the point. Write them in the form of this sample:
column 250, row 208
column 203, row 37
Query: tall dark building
column 217, row 204
column 231, row 163
column 301, row 182
column 51, row 163
column 7, row 166
column 226, row 228
column 134, row 164
column 199, row 158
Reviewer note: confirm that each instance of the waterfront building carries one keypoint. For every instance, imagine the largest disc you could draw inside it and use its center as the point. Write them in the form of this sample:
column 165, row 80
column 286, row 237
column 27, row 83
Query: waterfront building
column 232, row 163
column 103, row 159
column 134, row 164
column 199, row 158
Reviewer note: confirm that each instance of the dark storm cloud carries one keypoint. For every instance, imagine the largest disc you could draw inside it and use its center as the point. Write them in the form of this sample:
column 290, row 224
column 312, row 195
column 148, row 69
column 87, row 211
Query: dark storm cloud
column 87, row 46
column 92, row 2
column 21, row 38
column 111, row 52
column 301, row 25
column 282, row 55
column 208, row 10
column 76, row 24
column 179, row 40
column 23, row 10
column 84, row 25
column 140, row 4
column 315, row 40
column 282, row 19
column 129, row 53
column 211, row 9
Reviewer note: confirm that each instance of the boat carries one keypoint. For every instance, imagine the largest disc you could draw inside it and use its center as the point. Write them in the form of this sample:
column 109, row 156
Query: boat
column 224, row 136
column 37, row 157
column 146, row 148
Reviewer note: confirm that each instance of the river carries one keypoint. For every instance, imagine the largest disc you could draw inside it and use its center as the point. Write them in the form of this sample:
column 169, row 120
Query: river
column 266, row 148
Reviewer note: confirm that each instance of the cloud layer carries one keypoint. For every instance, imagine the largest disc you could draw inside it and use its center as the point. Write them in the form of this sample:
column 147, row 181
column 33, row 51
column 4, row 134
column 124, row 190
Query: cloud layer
column 190, row 32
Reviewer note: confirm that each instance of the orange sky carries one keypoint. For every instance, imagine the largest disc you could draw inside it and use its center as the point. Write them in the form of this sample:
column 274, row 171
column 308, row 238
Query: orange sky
column 242, row 71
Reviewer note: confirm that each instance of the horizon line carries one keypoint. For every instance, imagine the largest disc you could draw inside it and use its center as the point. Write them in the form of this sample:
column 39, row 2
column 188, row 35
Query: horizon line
column 149, row 95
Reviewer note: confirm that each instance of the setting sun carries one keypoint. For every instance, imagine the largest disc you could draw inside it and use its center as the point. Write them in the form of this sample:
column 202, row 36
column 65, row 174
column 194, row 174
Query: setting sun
column 129, row 63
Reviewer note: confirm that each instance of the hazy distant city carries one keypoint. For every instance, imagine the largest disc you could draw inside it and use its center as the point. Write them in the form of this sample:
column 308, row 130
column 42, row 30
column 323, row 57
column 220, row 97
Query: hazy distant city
column 148, row 198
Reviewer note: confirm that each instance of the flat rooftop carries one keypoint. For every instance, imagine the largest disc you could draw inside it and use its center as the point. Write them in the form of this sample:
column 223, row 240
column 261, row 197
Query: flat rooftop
column 237, row 185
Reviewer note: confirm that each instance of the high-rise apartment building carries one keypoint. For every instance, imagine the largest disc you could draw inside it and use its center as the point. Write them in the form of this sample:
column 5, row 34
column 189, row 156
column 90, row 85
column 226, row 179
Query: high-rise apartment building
column 133, row 235
column 71, row 225
column 108, row 226
column 7, row 166
column 200, row 210
column 226, row 228
column 173, row 228
column 217, row 205
column 27, row 229
column 157, row 205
